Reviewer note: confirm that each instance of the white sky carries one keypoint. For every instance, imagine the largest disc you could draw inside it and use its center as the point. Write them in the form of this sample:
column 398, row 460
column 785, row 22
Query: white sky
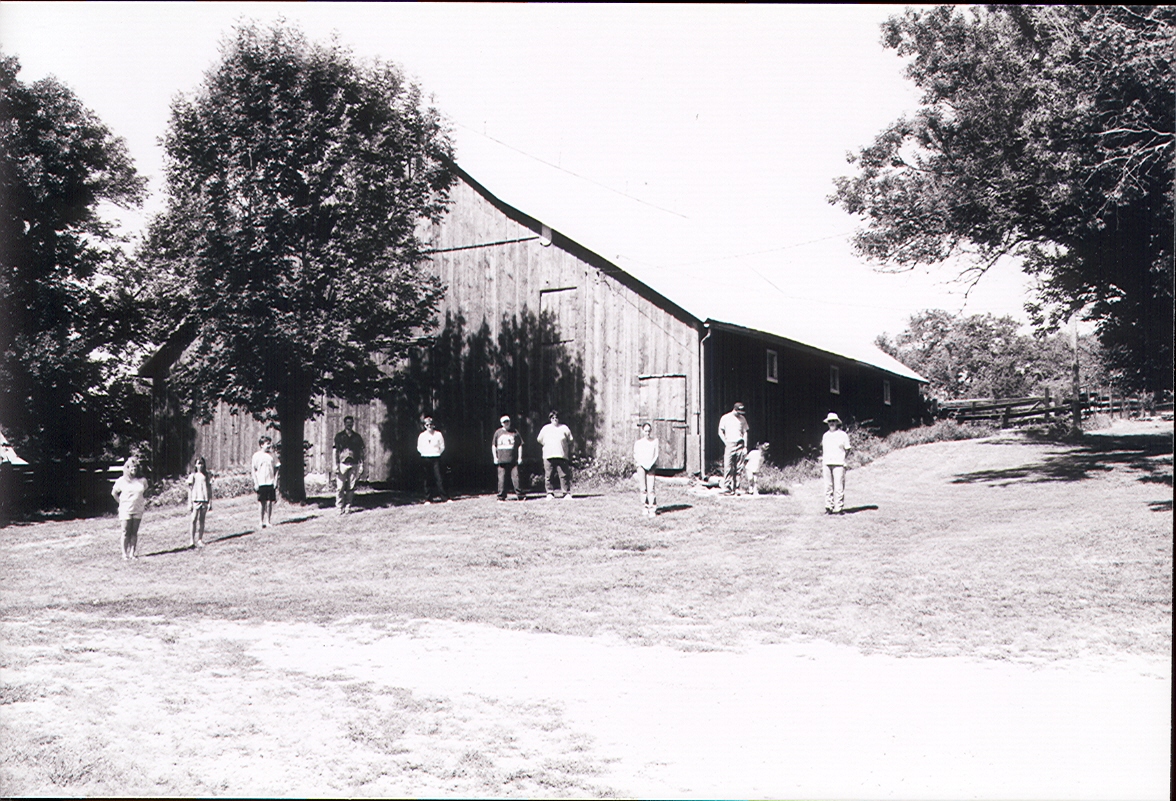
column 695, row 144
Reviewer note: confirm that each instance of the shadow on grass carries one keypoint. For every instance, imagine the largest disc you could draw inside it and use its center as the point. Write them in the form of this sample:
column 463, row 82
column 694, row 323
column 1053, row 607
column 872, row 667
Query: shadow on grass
column 1160, row 506
column 231, row 536
column 1097, row 453
column 674, row 507
column 180, row 549
column 302, row 519
column 852, row 510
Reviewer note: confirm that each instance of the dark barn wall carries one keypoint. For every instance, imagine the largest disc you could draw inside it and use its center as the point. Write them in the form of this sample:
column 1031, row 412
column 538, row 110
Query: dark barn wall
column 788, row 412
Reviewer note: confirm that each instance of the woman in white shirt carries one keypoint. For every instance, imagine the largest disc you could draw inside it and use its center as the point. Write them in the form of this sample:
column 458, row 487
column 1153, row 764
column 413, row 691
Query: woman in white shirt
column 130, row 490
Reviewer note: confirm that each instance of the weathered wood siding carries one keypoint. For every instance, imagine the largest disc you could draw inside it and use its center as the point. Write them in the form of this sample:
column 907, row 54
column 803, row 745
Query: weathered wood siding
column 552, row 325
column 229, row 440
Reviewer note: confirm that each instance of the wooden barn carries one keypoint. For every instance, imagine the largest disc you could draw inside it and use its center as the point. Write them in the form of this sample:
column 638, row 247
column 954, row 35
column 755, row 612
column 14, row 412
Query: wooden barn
column 532, row 320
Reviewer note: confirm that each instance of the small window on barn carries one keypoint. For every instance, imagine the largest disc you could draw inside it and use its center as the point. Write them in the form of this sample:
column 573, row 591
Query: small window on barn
column 834, row 380
column 886, row 392
column 773, row 367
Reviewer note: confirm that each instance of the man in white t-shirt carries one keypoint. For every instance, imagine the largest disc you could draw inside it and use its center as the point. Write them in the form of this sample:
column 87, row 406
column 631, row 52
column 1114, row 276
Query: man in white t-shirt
column 556, row 441
column 733, row 431
column 430, row 445
column 834, row 447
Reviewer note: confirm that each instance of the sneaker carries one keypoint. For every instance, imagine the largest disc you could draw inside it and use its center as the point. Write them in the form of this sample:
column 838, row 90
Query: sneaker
column 567, row 496
column 550, row 496
column 522, row 497
column 501, row 498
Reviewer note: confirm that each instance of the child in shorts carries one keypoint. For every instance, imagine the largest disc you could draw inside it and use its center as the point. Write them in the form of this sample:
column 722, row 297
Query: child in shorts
column 265, row 479
column 199, row 499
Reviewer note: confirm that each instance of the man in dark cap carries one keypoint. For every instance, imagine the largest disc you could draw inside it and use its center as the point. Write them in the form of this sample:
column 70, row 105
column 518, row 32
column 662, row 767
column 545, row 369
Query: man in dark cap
column 733, row 431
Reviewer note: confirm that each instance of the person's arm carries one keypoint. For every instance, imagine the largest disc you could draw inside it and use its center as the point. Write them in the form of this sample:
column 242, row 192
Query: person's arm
column 115, row 490
column 441, row 440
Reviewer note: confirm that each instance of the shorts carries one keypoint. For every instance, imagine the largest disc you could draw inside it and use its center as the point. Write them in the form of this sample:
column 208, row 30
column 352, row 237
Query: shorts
column 266, row 492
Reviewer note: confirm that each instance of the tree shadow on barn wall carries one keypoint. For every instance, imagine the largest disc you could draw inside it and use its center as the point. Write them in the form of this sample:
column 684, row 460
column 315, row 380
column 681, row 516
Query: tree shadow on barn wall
column 468, row 379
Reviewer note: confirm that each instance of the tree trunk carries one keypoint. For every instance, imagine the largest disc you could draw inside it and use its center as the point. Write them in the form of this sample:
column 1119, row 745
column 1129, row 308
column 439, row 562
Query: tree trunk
column 292, row 412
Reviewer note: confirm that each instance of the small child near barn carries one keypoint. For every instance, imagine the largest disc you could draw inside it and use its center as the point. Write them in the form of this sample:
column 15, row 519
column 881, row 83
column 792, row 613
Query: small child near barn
column 130, row 490
column 752, row 466
column 199, row 499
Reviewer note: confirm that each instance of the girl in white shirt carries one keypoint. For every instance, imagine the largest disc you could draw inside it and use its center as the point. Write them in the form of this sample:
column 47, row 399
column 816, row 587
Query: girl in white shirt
column 645, row 455
column 199, row 499
column 130, row 490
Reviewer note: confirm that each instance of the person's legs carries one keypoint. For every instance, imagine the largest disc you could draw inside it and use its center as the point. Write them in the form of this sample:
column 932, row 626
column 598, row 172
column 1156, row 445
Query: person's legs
column 502, row 475
column 548, row 473
column 195, row 519
column 641, row 482
column 514, row 480
column 828, row 479
column 565, row 477
column 201, row 514
column 437, row 477
column 728, row 483
column 838, row 489
column 341, row 490
column 131, row 538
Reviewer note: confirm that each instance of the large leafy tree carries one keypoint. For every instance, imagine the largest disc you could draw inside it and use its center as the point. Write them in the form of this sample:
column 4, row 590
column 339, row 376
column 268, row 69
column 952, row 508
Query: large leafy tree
column 64, row 302
column 1044, row 133
column 984, row 356
column 297, row 180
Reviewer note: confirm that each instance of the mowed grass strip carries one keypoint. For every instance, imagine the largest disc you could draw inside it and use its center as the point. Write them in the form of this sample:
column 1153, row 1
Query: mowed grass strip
column 986, row 548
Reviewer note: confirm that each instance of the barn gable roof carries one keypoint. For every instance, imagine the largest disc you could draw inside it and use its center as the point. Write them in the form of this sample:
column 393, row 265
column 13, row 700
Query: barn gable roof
column 775, row 329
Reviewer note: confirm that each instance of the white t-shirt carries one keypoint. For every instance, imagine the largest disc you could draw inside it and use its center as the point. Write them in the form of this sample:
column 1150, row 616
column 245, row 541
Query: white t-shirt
column 556, row 441
column 431, row 443
column 733, row 428
column 834, row 446
column 645, row 453
column 132, row 497
column 265, row 470
column 754, row 462
column 198, row 488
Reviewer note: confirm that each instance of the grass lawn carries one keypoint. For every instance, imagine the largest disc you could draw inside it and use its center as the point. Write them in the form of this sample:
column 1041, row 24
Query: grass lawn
column 119, row 677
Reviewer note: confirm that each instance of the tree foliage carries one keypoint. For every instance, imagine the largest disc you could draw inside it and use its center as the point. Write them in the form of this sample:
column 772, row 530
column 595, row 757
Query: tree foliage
column 983, row 356
column 64, row 310
column 1044, row 133
column 296, row 181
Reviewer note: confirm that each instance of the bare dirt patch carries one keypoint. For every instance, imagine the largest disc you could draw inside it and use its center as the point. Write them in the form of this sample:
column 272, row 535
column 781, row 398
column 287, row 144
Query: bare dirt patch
column 731, row 647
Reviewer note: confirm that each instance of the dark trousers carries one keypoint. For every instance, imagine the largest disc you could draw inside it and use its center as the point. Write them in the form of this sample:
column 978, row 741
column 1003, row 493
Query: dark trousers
column 431, row 468
column 509, row 473
column 565, row 475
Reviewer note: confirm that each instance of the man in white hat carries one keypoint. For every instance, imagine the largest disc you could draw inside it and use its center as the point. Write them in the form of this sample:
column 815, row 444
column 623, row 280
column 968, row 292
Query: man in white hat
column 506, row 448
column 834, row 446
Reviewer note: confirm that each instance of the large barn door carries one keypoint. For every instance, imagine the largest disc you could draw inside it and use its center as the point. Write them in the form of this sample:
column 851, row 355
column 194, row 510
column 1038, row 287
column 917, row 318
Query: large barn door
column 662, row 401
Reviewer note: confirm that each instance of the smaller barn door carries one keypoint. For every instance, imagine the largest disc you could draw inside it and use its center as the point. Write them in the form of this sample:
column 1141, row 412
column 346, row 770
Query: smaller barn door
column 662, row 401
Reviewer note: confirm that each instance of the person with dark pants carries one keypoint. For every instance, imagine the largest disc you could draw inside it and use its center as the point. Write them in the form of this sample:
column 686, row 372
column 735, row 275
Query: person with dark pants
column 507, row 451
column 430, row 445
column 556, row 441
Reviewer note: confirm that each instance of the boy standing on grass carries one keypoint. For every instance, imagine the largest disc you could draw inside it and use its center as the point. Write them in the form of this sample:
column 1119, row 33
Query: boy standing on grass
column 130, row 490
column 834, row 446
column 507, row 451
column 265, row 477
column 430, row 445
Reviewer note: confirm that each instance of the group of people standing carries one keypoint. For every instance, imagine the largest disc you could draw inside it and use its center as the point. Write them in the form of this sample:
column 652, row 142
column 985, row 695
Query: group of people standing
column 741, row 469
column 742, row 465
